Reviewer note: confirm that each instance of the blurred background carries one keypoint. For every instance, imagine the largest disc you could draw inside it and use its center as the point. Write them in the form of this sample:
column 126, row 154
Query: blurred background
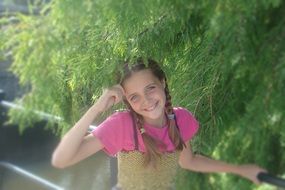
column 31, row 149
column 225, row 62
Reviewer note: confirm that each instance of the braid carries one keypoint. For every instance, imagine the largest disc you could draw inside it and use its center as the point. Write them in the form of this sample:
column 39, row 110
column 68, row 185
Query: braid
column 173, row 129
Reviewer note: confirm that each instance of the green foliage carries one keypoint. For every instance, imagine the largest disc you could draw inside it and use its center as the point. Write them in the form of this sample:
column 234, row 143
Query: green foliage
column 225, row 62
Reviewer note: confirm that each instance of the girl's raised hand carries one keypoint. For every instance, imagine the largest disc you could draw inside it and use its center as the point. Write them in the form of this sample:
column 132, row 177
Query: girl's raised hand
column 110, row 97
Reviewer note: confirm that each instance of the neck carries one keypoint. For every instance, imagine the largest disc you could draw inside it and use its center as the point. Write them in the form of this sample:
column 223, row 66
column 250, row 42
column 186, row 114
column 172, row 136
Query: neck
column 159, row 122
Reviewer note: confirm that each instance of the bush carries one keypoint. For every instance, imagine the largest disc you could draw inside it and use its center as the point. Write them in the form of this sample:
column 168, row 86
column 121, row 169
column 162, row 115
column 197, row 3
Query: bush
column 225, row 62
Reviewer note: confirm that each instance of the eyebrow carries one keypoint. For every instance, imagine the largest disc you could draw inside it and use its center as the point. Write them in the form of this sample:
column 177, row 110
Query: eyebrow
column 149, row 85
column 153, row 83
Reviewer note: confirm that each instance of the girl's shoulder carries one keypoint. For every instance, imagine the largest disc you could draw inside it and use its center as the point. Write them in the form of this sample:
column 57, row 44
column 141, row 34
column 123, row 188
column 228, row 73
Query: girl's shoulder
column 187, row 123
column 115, row 132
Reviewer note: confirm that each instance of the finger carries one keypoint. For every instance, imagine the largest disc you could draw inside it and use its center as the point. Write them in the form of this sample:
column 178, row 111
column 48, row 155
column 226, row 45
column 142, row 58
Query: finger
column 117, row 97
column 113, row 100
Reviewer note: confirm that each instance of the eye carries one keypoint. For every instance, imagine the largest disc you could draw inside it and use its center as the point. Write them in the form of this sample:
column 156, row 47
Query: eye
column 150, row 88
column 134, row 98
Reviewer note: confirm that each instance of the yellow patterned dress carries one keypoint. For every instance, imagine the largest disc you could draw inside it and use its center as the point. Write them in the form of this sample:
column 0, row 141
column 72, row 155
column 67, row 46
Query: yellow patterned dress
column 132, row 175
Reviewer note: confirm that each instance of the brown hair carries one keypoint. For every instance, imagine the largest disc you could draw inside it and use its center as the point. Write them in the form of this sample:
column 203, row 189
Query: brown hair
column 151, row 144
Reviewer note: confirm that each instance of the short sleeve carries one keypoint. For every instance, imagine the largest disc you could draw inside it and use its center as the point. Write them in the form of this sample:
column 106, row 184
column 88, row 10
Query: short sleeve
column 188, row 125
column 111, row 133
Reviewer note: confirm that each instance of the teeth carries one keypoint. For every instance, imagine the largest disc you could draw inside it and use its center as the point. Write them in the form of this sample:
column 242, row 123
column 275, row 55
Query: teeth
column 151, row 108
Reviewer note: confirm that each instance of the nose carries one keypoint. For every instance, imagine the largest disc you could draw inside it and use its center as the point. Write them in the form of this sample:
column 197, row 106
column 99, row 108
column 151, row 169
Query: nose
column 147, row 100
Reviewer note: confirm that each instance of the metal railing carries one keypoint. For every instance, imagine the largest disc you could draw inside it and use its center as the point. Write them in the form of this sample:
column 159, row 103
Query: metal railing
column 19, row 171
column 30, row 176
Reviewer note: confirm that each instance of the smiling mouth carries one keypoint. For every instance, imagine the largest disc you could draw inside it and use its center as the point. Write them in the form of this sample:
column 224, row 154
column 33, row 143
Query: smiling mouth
column 152, row 107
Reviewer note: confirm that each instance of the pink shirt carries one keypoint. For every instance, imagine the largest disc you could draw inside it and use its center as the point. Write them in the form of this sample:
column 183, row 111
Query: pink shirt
column 116, row 132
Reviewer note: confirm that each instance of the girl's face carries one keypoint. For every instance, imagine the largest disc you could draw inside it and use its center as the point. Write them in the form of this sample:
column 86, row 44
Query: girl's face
column 145, row 93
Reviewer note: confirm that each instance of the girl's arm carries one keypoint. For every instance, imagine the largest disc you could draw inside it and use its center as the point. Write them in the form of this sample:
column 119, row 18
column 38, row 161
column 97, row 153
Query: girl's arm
column 200, row 163
column 75, row 145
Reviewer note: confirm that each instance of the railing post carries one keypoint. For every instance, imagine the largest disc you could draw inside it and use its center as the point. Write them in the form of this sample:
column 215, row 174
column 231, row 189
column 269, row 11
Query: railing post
column 113, row 171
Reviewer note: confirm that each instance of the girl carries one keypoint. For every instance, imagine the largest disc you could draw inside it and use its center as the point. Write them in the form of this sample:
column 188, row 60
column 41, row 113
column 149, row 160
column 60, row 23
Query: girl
column 151, row 138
